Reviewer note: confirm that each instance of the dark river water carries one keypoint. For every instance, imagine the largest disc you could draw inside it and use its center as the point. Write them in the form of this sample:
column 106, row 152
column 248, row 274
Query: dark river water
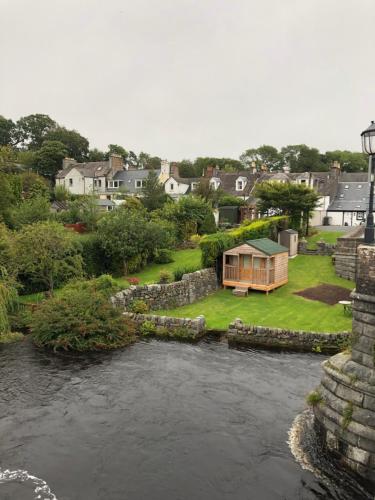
column 158, row 421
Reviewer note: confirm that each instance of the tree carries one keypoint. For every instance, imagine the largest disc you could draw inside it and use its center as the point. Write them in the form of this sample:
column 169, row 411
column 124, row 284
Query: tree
column 96, row 155
column 8, row 159
column 153, row 192
column 117, row 150
column 264, row 155
column 31, row 210
column 34, row 185
column 301, row 158
column 32, row 130
column 148, row 162
column 7, row 251
column 206, row 191
column 295, row 200
column 8, row 300
column 8, row 199
column 349, row 161
column 48, row 254
column 48, row 159
column 7, row 132
column 76, row 145
column 186, row 169
column 123, row 236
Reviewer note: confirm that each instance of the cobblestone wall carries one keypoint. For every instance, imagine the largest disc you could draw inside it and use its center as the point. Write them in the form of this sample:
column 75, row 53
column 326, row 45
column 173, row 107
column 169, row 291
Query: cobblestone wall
column 261, row 336
column 345, row 255
column 196, row 326
column 322, row 248
column 346, row 414
column 192, row 287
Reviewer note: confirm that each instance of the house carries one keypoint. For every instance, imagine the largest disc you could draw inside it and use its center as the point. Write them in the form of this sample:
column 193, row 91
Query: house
column 349, row 204
column 90, row 177
column 174, row 185
column 128, row 182
column 259, row 264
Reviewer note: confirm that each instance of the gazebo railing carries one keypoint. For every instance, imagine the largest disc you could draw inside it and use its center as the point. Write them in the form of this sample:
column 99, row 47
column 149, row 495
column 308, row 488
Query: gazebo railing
column 231, row 273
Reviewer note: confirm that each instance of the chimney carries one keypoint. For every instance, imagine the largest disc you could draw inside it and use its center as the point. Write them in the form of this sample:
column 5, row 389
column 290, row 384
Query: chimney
column 165, row 168
column 174, row 170
column 67, row 162
column 264, row 168
column 209, row 171
column 253, row 167
column 116, row 163
column 286, row 168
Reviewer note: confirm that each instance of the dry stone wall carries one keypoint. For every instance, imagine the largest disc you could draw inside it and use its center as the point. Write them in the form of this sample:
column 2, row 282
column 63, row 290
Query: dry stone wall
column 261, row 336
column 192, row 287
column 322, row 248
column 196, row 327
column 345, row 256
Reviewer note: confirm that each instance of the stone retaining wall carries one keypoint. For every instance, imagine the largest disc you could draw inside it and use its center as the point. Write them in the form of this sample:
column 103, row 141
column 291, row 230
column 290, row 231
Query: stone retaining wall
column 345, row 255
column 322, row 248
column 261, row 336
column 192, row 287
column 196, row 327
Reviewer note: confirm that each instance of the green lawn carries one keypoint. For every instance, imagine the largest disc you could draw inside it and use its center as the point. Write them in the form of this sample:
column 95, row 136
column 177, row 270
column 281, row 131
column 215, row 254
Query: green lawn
column 281, row 308
column 150, row 274
column 328, row 236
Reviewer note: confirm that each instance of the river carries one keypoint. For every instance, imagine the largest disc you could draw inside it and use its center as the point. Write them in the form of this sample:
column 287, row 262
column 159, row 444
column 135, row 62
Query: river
column 158, row 421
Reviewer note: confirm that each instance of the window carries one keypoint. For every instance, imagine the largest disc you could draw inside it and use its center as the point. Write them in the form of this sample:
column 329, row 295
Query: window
column 239, row 186
column 171, row 186
column 70, row 182
column 194, row 185
column 360, row 215
column 359, row 186
column 139, row 183
column 303, row 181
column 346, row 186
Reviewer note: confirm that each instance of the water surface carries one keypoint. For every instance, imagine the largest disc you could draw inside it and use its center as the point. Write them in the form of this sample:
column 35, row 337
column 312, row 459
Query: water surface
column 159, row 421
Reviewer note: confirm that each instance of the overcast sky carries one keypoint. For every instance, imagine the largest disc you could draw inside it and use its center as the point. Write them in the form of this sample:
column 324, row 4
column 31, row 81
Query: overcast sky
column 187, row 78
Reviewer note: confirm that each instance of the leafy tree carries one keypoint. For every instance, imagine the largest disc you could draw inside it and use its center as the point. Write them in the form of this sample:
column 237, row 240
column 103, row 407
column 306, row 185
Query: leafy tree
column 118, row 150
column 206, row 191
column 153, row 192
column 61, row 193
column 32, row 130
column 350, row 162
column 34, row 185
column 48, row 254
column 31, row 210
column 8, row 159
column 264, row 155
column 227, row 200
column 8, row 199
column 8, row 300
column 7, row 251
column 96, row 155
column 149, row 162
column 295, row 200
column 76, row 145
column 201, row 164
column 191, row 215
column 186, row 169
column 7, row 132
column 48, row 158
column 301, row 158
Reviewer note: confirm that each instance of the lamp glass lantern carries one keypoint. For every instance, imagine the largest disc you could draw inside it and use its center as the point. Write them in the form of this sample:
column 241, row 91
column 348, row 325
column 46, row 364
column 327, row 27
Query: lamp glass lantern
column 368, row 146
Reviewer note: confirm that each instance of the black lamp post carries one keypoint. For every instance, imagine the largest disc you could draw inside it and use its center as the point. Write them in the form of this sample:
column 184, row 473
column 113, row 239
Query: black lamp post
column 368, row 146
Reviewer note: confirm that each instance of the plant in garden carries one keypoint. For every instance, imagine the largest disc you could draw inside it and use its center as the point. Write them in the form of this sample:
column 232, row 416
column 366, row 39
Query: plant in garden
column 8, row 300
column 180, row 271
column 165, row 277
column 148, row 328
column 163, row 256
column 81, row 318
column 47, row 253
column 133, row 281
column 139, row 306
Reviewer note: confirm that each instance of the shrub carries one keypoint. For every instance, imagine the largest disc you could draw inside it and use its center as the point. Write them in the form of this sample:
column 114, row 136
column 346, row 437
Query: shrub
column 214, row 245
column 314, row 398
column 139, row 307
column 195, row 239
column 347, row 415
column 148, row 328
column 10, row 337
column 95, row 262
column 163, row 256
column 81, row 318
column 165, row 277
column 228, row 200
column 133, row 281
column 180, row 271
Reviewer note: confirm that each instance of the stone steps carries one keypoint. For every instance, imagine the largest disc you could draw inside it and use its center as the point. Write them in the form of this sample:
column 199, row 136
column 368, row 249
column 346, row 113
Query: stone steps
column 240, row 291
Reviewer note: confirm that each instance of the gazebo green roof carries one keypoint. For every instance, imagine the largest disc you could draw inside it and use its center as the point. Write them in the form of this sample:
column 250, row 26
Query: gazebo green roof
column 267, row 246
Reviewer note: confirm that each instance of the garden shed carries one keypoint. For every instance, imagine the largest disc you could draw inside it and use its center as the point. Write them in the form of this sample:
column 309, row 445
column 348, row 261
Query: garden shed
column 259, row 264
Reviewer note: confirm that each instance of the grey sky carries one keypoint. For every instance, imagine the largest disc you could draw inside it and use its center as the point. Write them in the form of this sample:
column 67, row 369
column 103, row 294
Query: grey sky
column 187, row 78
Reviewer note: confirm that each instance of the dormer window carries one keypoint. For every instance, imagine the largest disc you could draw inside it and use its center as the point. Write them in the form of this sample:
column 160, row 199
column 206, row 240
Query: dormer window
column 239, row 186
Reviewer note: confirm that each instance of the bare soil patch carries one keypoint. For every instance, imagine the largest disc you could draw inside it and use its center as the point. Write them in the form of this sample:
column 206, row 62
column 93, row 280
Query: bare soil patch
column 329, row 294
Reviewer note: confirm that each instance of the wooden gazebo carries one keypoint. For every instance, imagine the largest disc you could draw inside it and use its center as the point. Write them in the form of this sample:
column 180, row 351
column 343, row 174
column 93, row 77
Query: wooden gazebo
column 259, row 264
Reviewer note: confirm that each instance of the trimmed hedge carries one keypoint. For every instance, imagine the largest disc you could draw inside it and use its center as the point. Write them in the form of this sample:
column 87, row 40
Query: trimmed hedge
column 213, row 246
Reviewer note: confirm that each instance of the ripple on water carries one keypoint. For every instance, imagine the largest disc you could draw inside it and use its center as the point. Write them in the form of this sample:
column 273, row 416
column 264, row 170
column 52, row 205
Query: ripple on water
column 36, row 486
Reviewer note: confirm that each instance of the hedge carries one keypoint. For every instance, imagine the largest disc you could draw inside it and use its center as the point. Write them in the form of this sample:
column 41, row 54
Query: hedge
column 213, row 246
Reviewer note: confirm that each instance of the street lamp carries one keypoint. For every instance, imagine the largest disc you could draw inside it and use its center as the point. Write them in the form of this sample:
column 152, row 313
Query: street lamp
column 368, row 146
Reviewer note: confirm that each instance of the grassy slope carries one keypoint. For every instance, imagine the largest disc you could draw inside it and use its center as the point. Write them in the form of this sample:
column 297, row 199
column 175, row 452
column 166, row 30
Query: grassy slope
column 328, row 236
column 281, row 308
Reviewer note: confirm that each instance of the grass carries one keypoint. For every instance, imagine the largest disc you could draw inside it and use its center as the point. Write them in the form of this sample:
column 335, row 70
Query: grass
column 281, row 308
column 328, row 236
column 150, row 274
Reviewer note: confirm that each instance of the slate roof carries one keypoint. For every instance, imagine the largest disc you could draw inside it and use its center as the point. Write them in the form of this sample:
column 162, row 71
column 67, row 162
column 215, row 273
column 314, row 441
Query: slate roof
column 267, row 246
column 89, row 169
column 228, row 182
column 350, row 197
column 128, row 177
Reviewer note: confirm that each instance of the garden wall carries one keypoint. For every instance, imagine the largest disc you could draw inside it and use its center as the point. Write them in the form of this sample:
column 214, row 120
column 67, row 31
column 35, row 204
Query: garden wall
column 322, row 248
column 269, row 337
column 192, row 287
column 346, row 253
column 196, row 327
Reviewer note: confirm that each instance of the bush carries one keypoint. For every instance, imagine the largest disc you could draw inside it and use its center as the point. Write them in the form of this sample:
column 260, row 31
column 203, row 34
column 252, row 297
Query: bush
column 95, row 262
column 214, row 245
column 314, row 398
column 148, row 328
column 180, row 271
column 228, row 200
column 133, row 281
column 165, row 277
column 139, row 307
column 195, row 239
column 163, row 256
column 81, row 318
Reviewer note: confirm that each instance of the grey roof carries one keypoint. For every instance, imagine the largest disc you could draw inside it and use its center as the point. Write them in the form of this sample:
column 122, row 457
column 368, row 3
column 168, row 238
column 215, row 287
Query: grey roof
column 105, row 203
column 89, row 169
column 350, row 197
column 129, row 178
column 290, row 231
